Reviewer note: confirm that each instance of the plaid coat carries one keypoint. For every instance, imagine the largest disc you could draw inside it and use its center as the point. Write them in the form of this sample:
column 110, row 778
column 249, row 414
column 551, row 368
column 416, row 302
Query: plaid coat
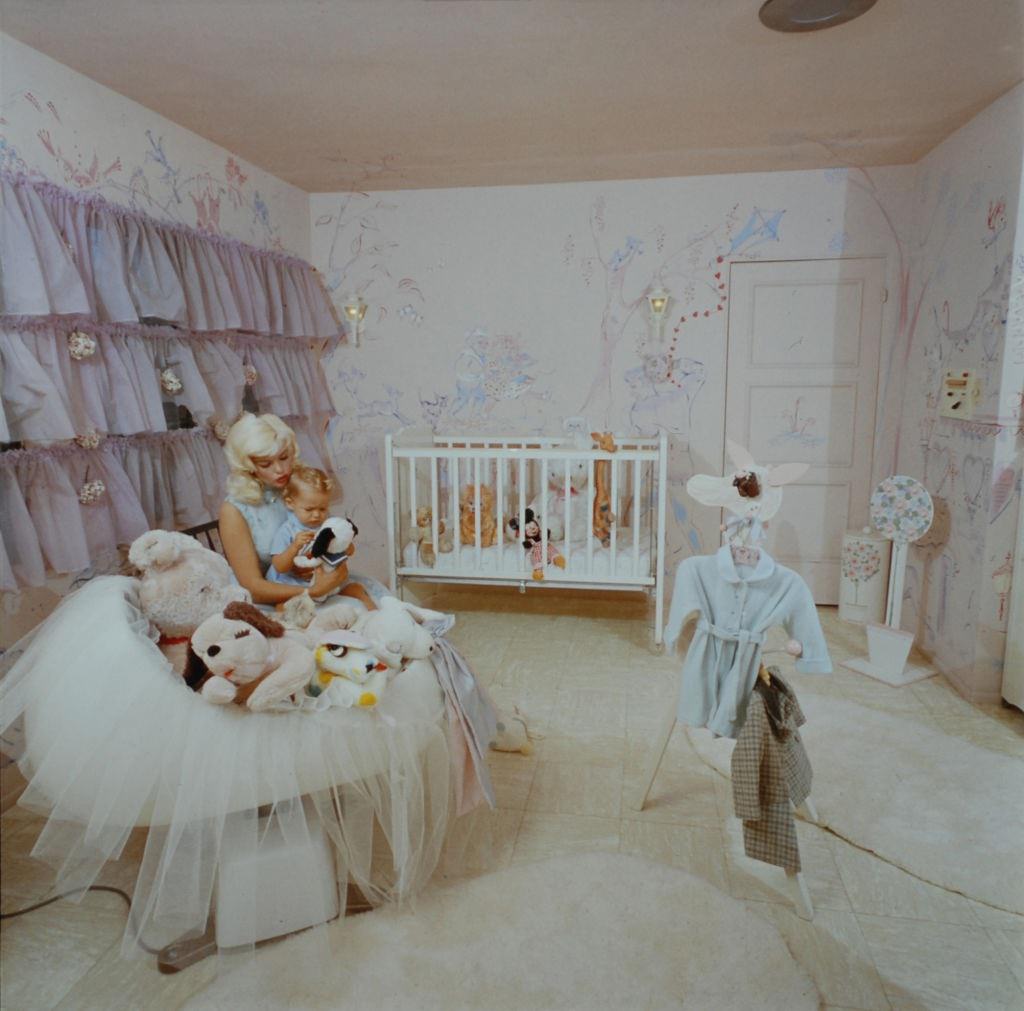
column 771, row 773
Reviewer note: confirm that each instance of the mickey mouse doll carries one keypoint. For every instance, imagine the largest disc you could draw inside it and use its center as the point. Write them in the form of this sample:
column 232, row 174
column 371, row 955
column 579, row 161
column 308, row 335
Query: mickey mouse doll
column 533, row 543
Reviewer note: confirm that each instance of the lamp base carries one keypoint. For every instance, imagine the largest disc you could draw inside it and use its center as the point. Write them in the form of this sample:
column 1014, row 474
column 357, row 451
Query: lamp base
column 888, row 649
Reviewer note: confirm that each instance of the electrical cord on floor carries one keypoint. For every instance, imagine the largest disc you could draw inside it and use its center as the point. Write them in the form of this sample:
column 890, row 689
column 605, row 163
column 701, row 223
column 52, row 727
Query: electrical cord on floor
column 63, row 895
column 78, row 891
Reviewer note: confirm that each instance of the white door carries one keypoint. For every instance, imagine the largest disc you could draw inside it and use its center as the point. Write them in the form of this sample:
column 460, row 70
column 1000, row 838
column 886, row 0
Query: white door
column 801, row 386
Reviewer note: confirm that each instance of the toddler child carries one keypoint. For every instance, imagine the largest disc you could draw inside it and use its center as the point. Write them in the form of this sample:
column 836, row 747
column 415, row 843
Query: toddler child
column 308, row 497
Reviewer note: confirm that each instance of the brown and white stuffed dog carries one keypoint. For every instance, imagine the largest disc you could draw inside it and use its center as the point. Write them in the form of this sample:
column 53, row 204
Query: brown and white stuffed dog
column 244, row 656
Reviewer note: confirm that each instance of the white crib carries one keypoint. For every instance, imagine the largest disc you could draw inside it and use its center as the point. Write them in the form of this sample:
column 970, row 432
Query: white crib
column 436, row 471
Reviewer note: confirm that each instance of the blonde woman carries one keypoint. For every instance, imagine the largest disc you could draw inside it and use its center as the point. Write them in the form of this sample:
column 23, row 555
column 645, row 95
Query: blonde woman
column 261, row 452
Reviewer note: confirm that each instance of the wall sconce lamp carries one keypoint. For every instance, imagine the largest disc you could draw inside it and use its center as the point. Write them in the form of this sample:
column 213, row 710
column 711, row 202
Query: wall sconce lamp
column 354, row 309
column 657, row 302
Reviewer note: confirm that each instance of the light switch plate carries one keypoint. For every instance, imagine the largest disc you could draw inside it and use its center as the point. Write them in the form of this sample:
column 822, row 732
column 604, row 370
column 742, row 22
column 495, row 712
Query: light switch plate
column 961, row 391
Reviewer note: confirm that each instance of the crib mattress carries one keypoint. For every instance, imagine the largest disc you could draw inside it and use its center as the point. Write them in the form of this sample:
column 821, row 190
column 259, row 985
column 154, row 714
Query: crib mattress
column 510, row 561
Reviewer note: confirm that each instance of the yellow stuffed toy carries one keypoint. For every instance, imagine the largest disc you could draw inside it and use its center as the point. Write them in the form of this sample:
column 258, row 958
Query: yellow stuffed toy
column 348, row 673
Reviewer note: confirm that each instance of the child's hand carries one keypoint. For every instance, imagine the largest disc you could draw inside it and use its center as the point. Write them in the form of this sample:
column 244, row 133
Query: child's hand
column 302, row 538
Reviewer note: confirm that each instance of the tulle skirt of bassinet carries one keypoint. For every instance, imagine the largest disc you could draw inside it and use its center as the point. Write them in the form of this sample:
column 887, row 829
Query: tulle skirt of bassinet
column 109, row 738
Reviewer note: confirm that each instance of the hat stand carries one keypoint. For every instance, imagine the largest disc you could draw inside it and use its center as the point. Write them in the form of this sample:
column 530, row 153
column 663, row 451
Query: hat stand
column 902, row 511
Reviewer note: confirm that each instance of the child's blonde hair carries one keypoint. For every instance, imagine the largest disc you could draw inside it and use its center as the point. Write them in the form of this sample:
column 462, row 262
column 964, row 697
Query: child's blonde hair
column 311, row 477
column 252, row 435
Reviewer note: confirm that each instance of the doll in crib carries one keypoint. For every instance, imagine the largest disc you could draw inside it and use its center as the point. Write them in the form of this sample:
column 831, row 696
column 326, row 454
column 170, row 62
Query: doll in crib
column 307, row 497
column 534, row 544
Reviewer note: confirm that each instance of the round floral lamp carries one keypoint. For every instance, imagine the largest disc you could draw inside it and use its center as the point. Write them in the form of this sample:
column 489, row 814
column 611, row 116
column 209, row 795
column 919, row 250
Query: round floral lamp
column 902, row 511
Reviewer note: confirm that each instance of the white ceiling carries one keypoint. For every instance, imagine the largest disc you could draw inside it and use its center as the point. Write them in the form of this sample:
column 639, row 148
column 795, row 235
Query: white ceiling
column 396, row 94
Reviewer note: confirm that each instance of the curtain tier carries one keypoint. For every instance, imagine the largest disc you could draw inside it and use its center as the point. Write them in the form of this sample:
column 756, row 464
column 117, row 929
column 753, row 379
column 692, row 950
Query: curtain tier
column 56, row 386
column 68, row 253
column 64, row 508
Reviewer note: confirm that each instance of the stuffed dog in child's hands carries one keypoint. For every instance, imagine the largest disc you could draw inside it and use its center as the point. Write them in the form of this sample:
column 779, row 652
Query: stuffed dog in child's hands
column 330, row 545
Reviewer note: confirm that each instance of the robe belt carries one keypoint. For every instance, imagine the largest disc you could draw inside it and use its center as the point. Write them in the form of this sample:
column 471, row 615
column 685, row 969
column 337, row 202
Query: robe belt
column 749, row 642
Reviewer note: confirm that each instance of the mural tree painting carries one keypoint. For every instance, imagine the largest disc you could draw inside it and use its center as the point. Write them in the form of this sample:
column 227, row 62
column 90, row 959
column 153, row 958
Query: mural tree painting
column 663, row 385
column 154, row 180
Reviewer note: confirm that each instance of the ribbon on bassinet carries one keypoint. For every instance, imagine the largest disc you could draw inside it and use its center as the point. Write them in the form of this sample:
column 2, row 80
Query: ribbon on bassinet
column 472, row 725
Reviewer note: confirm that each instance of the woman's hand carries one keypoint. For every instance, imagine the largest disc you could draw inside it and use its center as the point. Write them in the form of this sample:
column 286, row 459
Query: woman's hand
column 326, row 580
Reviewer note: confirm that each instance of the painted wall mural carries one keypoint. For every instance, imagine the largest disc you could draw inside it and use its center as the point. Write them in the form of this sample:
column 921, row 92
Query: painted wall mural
column 522, row 310
column 956, row 298
column 63, row 127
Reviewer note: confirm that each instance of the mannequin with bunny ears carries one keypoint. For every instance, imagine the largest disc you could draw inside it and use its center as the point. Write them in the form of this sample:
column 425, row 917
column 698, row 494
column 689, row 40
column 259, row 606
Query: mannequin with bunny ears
column 751, row 493
column 740, row 593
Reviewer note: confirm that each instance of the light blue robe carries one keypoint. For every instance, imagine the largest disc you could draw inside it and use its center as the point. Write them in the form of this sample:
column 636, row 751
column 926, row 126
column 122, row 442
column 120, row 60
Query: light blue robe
column 738, row 604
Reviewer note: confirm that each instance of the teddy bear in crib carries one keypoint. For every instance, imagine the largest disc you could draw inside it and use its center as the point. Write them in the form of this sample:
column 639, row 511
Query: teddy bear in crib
column 181, row 584
column 422, row 534
column 556, row 495
column 246, row 657
column 348, row 672
column 468, row 517
column 534, row 545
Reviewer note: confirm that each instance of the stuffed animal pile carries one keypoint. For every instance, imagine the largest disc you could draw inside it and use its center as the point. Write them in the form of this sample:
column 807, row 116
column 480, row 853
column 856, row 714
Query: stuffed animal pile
column 344, row 656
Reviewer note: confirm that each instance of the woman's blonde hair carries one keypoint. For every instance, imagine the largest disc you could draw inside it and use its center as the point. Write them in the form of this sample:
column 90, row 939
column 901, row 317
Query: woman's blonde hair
column 265, row 435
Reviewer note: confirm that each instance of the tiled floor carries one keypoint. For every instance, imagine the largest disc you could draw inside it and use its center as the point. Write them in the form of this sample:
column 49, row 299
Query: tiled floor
column 585, row 674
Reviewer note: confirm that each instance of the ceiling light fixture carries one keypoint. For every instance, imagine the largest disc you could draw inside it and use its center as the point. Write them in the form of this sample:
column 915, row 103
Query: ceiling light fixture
column 810, row 15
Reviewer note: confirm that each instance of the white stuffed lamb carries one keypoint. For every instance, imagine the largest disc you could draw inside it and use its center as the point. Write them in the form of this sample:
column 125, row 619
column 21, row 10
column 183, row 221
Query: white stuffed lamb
column 579, row 508
column 396, row 629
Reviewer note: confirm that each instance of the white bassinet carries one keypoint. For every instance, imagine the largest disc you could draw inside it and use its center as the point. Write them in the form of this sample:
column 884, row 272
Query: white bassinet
column 111, row 738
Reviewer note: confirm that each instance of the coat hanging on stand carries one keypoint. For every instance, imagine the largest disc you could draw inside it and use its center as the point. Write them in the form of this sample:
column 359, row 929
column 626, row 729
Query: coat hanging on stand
column 771, row 773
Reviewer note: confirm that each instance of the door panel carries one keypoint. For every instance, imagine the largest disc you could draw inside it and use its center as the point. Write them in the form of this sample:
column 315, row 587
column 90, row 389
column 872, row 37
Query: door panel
column 801, row 386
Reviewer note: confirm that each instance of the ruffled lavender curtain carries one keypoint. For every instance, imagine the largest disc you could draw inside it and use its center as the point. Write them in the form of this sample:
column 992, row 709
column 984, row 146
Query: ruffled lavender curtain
column 67, row 253
column 110, row 322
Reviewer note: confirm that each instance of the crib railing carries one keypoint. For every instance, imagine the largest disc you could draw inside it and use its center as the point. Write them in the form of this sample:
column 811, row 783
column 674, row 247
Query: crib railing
column 475, row 485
